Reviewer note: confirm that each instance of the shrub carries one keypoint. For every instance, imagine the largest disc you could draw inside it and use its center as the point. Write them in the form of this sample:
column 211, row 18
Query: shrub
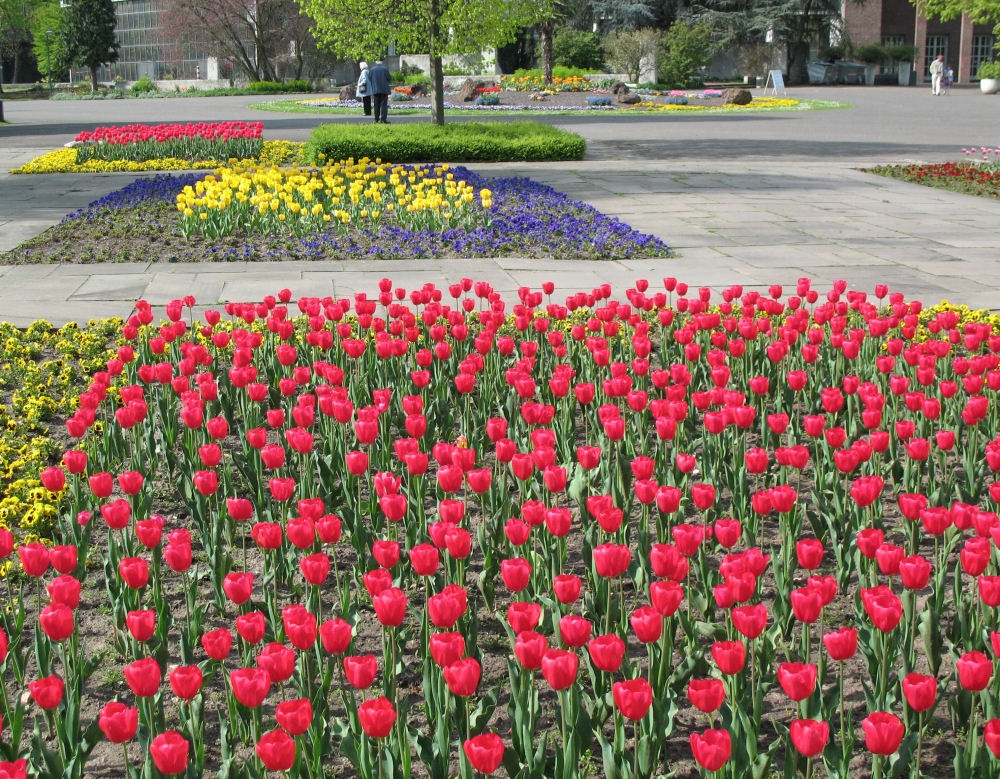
column 559, row 71
column 626, row 49
column 456, row 142
column 143, row 85
column 988, row 70
column 578, row 49
column 685, row 49
column 274, row 88
column 873, row 53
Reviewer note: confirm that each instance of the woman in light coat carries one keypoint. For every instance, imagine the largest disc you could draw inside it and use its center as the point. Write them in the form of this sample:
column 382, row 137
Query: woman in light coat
column 364, row 89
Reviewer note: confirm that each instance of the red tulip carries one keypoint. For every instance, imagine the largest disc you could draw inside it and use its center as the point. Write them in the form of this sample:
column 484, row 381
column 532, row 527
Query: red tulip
column 809, row 552
column 523, row 616
column 360, row 671
column 919, row 691
column 809, row 736
column 143, row 677
column 57, row 622
column 134, row 572
column 186, row 681
column 633, row 698
column 574, row 631
column 251, row 626
column 607, row 652
column 706, row 695
column 141, row 624
column 446, row 648
column 729, row 656
column 883, row 732
column 294, row 716
column 377, row 717
column 47, row 692
column 611, row 560
column 530, row 648
column 559, row 668
column 336, row 636
column 841, row 644
column 484, row 752
column 566, row 588
column 798, row 680
column 647, row 623
column 463, row 676
column 750, row 620
column 238, row 587
column 991, row 735
column 974, row 671
column 34, row 558
column 516, row 573
column 666, row 597
column 118, row 722
column 217, row 643
column 250, row 685
column 711, row 749
column 276, row 750
column 424, row 559
column 169, row 751
column 278, row 661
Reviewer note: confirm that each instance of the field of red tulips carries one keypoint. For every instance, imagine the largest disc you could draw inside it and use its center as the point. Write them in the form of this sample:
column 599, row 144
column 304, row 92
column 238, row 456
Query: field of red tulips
column 426, row 533
column 197, row 141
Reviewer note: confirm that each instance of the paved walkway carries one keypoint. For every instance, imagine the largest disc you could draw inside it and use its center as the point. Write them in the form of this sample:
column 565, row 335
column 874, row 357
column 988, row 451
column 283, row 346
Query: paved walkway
column 735, row 212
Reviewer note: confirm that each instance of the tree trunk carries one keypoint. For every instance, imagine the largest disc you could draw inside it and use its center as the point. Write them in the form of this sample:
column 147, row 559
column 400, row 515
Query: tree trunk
column 798, row 54
column 93, row 78
column 437, row 72
column 437, row 91
column 546, row 30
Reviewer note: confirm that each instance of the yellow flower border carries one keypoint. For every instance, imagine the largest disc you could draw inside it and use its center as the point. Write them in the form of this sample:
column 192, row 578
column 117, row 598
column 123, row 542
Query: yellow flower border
column 757, row 102
column 64, row 161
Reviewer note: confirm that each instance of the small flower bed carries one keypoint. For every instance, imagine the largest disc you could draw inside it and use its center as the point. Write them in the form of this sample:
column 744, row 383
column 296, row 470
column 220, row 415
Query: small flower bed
column 340, row 195
column 757, row 103
column 978, row 177
column 43, row 370
column 65, row 161
column 472, row 106
column 536, row 83
column 430, row 531
column 201, row 141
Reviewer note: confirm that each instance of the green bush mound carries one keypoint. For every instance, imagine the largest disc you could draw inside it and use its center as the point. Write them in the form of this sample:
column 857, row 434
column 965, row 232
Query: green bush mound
column 454, row 142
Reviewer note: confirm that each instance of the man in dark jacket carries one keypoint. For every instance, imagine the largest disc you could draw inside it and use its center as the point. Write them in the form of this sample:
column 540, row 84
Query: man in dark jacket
column 381, row 86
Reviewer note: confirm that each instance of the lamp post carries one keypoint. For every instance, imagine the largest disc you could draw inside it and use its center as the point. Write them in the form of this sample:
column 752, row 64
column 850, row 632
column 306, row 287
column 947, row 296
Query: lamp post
column 48, row 57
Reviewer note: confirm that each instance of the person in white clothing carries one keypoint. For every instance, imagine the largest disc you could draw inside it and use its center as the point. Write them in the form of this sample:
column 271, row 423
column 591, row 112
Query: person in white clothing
column 364, row 89
column 937, row 73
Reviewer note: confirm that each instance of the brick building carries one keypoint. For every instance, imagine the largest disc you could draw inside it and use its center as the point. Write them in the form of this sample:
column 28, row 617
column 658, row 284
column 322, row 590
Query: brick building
column 898, row 22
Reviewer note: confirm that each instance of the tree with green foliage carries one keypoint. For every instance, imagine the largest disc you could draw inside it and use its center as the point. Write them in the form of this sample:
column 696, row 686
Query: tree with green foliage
column 15, row 35
column 794, row 23
column 577, row 49
column 980, row 11
column 626, row 50
column 90, row 35
column 686, row 47
column 48, row 32
column 364, row 29
column 623, row 14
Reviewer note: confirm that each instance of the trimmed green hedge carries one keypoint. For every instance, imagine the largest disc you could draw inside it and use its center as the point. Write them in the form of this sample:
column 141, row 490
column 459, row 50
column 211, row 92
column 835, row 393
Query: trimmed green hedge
column 274, row 88
column 453, row 142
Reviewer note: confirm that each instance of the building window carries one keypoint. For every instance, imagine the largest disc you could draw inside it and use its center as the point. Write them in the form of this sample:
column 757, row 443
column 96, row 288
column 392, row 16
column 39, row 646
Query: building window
column 937, row 46
column 982, row 51
column 892, row 41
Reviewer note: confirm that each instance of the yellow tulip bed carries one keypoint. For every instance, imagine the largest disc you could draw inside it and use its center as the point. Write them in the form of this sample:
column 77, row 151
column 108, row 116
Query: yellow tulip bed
column 341, row 195
column 64, row 161
column 756, row 103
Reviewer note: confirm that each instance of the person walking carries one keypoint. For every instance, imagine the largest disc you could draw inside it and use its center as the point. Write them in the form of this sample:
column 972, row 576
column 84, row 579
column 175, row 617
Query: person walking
column 381, row 85
column 937, row 73
column 364, row 89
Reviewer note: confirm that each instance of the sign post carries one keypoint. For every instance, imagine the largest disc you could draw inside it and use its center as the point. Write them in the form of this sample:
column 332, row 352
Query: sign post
column 775, row 81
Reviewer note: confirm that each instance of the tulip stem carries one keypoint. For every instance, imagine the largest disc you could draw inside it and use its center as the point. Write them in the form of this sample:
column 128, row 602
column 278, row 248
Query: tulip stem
column 920, row 741
column 877, row 767
column 635, row 747
column 128, row 765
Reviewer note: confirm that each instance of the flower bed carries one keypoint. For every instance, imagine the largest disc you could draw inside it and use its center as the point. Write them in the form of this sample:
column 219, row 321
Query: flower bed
column 340, row 195
column 201, row 141
column 427, row 532
column 975, row 177
column 65, row 161
column 535, row 83
column 473, row 106
column 526, row 219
